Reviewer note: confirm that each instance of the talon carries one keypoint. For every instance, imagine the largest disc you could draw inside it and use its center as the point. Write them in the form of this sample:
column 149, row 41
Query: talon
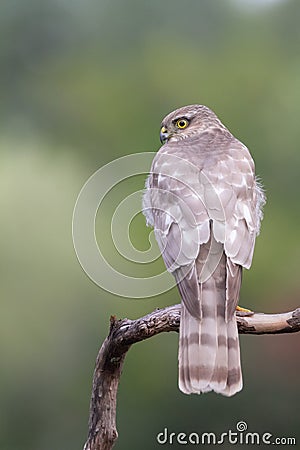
column 244, row 311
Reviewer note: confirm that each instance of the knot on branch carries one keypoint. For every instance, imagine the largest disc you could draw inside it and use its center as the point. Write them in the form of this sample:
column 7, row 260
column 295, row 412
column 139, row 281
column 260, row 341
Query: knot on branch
column 294, row 321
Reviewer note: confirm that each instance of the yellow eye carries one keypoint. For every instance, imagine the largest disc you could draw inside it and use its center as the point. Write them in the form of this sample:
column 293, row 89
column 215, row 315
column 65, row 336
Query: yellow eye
column 182, row 123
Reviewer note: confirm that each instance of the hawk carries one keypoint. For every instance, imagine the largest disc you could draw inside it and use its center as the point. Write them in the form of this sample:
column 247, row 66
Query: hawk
column 205, row 203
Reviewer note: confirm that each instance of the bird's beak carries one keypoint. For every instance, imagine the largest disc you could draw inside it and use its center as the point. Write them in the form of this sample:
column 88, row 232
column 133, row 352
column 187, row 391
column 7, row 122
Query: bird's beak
column 164, row 135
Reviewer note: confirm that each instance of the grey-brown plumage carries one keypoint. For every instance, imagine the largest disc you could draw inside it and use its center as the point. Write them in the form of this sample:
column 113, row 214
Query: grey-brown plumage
column 204, row 202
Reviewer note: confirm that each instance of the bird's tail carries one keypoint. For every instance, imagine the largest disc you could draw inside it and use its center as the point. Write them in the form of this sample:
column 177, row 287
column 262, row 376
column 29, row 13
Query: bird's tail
column 209, row 352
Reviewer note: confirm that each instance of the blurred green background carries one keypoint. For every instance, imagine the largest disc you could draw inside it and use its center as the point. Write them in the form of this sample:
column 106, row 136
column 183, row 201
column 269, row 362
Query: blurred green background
column 81, row 84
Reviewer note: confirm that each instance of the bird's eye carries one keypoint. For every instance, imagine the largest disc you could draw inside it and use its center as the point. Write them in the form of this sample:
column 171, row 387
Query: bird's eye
column 182, row 123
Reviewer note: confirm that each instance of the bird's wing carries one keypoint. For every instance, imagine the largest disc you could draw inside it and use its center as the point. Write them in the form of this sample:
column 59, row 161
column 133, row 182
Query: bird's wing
column 235, row 213
column 180, row 221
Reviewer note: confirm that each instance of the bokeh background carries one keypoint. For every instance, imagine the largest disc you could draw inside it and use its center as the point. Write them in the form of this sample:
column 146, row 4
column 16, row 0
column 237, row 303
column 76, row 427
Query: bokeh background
column 83, row 83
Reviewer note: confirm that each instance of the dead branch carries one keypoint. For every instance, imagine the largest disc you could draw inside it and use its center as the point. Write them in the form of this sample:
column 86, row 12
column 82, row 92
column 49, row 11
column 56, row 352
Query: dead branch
column 102, row 432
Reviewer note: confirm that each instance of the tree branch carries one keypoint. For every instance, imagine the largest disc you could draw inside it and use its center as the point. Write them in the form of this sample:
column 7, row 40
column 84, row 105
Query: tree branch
column 123, row 333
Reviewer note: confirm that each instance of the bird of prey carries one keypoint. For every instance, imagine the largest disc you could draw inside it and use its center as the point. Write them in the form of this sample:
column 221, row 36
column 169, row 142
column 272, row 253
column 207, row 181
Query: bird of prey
column 205, row 203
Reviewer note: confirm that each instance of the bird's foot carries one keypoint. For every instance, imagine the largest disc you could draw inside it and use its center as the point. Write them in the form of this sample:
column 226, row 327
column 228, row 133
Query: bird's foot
column 243, row 311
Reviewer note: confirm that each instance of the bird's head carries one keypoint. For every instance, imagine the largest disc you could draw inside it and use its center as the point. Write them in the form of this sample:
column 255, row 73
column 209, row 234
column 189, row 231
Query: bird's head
column 186, row 122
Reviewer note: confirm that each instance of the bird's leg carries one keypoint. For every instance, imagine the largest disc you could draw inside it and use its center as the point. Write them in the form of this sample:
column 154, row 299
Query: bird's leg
column 243, row 311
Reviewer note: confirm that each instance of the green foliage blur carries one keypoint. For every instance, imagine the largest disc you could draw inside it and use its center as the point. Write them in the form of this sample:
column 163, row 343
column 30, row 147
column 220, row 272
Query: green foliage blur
column 83, row 83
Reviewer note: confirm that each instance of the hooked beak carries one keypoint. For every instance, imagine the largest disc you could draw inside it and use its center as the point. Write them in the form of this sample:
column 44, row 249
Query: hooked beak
column 164, row 135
